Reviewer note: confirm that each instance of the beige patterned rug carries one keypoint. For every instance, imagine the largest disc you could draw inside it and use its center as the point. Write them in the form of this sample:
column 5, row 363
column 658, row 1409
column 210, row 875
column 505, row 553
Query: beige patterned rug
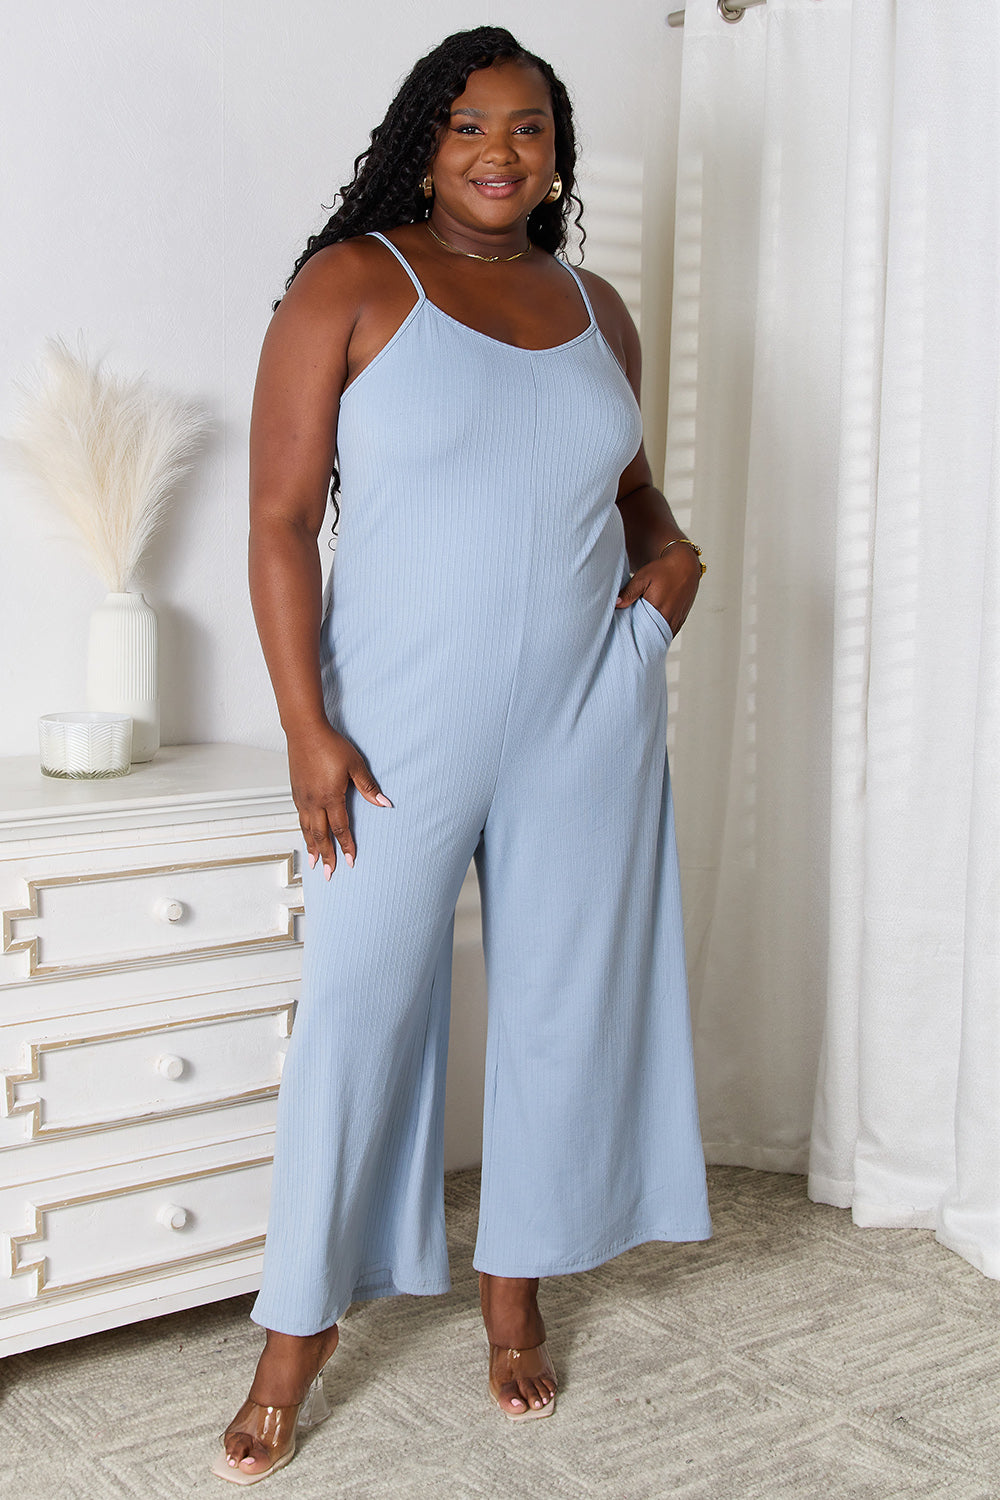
column 791, row 1355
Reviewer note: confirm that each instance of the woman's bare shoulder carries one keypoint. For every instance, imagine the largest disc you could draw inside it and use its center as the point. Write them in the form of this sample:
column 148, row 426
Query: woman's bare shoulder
column 337, row 276
column 609, row 305
column 615, row 322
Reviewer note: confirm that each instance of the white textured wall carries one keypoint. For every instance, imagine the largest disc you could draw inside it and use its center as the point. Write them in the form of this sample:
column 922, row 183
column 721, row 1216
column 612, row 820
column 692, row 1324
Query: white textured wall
column 162, row 164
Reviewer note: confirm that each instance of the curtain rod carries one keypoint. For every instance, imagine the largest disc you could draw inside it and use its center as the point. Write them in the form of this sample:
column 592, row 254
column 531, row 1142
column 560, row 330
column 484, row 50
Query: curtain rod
column 729, row 13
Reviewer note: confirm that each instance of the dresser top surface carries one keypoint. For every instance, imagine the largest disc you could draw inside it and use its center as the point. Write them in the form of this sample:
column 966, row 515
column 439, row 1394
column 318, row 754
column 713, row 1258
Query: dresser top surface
column 180, row 780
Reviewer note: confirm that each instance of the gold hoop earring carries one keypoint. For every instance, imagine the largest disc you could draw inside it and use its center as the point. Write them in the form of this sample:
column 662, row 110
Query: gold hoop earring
column 428, row 186
column 555, row 191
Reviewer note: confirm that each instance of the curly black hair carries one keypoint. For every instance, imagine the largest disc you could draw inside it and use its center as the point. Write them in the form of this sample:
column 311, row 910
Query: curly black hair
column 387, row 187
column 386, row 190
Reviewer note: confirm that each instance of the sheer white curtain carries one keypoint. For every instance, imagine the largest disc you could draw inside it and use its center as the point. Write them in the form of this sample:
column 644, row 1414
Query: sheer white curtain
column 833, row 443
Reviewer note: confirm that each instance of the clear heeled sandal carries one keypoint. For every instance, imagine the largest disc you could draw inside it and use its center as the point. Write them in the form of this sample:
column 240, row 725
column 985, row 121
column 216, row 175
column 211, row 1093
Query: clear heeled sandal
column 276, row 1428
column 506, row 1364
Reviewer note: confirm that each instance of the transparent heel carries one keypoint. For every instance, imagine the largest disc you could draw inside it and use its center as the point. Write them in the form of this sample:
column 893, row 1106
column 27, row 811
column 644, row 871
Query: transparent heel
column 315, row 1407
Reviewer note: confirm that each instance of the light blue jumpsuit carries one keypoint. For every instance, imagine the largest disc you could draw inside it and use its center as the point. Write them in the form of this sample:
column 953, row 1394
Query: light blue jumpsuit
column 472, row 651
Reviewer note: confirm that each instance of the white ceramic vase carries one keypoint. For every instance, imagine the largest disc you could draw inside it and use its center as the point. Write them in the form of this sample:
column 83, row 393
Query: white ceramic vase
column 121, row 668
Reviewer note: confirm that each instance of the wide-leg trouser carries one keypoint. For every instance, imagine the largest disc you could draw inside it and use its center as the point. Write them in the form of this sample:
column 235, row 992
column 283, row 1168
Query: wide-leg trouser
column 591, row 1141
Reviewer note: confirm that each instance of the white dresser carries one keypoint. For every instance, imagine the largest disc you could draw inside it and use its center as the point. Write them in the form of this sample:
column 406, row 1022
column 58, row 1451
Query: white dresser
column 149, row 972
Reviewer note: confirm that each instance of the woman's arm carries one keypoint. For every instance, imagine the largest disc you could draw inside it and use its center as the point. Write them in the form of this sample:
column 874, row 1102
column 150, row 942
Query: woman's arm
column 293, row 437
column 669, row 582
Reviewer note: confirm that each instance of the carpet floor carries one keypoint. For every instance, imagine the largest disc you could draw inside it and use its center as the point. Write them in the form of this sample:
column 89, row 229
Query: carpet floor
column 791, row 1355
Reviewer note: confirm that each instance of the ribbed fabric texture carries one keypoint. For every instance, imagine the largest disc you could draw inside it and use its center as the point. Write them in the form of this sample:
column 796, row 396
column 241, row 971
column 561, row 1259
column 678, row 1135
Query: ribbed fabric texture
column 471, row 649
column 122, row 667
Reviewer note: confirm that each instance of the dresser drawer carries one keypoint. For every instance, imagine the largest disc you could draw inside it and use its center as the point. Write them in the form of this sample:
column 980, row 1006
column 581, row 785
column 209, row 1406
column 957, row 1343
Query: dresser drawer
column 139, row 1231
column 100, row 919
column 139, row 1073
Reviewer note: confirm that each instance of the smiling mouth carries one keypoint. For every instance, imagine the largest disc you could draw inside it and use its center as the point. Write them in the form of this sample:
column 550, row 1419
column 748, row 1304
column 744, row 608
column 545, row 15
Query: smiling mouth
column 495, row 181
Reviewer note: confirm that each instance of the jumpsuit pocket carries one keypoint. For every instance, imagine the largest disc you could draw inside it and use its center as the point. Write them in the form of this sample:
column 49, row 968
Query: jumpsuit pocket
column 652, row 614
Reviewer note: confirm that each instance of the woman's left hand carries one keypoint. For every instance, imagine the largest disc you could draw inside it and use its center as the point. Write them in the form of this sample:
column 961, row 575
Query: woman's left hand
column 669, row 583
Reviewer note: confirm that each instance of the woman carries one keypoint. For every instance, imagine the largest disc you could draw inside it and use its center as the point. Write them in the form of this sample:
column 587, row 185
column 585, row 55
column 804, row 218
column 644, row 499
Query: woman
column 483, row 680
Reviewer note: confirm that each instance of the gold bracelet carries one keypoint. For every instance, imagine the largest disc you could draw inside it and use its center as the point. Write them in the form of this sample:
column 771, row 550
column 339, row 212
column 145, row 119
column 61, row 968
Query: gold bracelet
column 688, row 543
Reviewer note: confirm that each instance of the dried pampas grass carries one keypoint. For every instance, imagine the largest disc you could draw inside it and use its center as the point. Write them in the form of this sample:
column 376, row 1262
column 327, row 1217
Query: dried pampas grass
column 107, row 450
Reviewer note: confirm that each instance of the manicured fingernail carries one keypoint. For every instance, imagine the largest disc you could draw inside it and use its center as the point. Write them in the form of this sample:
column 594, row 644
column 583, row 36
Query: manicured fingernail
column 383, row 800
column 312, row 861
column 329, row 870
column 350, row 860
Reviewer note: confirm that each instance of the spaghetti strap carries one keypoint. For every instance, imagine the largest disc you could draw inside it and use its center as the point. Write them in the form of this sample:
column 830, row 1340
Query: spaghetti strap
column 583, row 290
column 378, row 235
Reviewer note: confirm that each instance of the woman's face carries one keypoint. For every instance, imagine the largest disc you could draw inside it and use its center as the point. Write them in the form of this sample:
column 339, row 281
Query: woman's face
column 496, row 156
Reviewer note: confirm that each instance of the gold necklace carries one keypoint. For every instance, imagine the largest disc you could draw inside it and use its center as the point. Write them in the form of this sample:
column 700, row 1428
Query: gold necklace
column 471, row 253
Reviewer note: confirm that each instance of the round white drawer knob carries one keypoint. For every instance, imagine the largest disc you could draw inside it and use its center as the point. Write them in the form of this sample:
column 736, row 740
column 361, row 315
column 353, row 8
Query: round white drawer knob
column 167, row 909
column 170, row 1066
column 172, row 1216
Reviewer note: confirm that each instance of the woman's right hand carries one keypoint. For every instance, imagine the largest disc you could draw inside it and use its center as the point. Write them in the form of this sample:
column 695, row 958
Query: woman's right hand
column 321, row 766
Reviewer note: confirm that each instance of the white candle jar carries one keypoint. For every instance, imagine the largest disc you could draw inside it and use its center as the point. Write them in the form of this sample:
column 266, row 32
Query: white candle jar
column 85, row 746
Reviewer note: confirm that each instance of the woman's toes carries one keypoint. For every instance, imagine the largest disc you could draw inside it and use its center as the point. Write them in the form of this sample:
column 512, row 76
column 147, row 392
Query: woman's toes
column 511, row 1397
column 539, row 1395
column 528, row 1393
column 239, row 1448
column 255, row 1459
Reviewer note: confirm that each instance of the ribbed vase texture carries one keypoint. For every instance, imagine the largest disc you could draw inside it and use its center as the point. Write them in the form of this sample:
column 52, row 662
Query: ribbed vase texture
column 121, row 668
